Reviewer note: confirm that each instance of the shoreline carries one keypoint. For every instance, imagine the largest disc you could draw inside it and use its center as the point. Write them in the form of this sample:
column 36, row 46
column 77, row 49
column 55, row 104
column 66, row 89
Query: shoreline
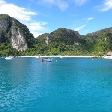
column 59, row 56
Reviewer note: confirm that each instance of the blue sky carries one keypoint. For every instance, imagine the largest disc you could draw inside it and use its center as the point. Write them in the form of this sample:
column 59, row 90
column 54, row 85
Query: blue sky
column 47, row 15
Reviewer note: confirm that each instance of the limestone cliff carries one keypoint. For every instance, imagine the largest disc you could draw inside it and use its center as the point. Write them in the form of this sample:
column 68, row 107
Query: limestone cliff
column 15, row 33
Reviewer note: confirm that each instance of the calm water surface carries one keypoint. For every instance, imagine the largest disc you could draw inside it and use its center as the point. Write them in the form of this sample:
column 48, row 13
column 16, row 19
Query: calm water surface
column 65, row 85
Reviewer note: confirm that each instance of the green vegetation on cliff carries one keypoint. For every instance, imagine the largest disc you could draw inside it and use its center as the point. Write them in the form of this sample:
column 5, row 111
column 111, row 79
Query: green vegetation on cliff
column 62, row 41
column 68, row 42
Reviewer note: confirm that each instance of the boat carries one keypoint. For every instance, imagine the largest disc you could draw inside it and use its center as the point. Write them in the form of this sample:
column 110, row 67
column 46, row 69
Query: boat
column 46, row 59
column 61, row 57
column 9, row 57
column 107, row 57
column 36, row 56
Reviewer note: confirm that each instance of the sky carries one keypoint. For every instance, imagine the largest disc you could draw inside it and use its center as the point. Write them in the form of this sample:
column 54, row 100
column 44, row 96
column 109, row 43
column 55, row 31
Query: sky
column 44, row 16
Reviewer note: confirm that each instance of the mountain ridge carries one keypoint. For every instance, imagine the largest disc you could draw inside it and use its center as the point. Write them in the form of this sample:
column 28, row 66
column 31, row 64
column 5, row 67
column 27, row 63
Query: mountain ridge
column 16, row 39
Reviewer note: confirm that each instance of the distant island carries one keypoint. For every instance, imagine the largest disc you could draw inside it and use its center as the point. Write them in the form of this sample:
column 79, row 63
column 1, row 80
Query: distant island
column 16, row 40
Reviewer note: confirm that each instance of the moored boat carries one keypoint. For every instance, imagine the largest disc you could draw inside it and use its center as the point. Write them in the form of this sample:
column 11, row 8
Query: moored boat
column 47, row 59
column 107, row 57
column 9, row 57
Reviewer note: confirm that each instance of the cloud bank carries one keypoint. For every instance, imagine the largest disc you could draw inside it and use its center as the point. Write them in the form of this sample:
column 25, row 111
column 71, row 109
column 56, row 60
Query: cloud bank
column 60, row 4
column 105, row 6
column 80, row 2
column 23, row 15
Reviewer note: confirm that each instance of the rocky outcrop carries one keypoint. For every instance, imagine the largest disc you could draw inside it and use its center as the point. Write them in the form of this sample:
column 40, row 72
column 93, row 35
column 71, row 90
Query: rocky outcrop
column 15, row 33
column 17, row 38
column 44, row 38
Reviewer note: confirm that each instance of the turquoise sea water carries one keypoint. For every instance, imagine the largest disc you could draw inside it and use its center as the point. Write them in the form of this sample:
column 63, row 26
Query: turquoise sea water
column 65, row 85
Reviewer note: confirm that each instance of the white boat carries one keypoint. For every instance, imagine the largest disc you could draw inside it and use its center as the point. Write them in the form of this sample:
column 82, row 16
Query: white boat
column 9, row 57
column 47, row 59
column 36, row 56
column 107, row 57
column 61, row 57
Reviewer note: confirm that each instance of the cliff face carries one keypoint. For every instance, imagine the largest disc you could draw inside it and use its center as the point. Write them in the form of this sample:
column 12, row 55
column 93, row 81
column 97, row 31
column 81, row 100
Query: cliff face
column 15, row 33
column 17, row 38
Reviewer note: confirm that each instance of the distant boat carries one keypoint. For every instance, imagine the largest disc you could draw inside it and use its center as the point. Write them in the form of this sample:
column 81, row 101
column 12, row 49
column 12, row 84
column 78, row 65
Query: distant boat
column 61, row 57
column 36, row 56
column 108, row 57
column 9, row 57
column 47, row 59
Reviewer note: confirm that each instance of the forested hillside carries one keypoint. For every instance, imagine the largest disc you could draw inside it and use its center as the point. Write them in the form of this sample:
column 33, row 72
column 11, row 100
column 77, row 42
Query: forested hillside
column 16, row 39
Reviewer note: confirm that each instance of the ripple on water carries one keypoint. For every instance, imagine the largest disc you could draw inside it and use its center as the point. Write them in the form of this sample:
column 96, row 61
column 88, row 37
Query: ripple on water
column 68, row 85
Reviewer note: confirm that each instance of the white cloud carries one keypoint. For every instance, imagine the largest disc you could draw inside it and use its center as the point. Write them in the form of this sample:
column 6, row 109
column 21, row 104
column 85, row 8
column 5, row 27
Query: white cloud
column 60, row 4
column 87, row 21
column 37, row 27
column 23, row 15
column 90, row 18
column 80, row 27
column 15, row 11
column 80, row 2
column 106, row 6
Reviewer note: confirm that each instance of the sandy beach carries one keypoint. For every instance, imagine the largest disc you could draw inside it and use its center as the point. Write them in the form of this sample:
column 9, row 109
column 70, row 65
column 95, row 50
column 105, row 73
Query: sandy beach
column 58, row 56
